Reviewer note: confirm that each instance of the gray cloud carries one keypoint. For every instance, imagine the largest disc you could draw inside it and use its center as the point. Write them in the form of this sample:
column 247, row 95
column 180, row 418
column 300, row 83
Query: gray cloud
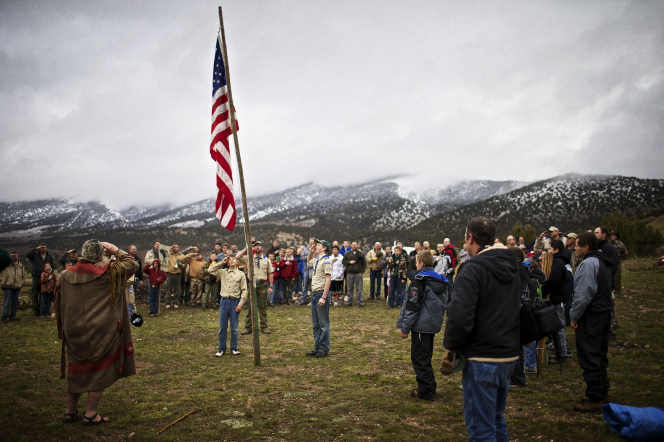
column 112, row 103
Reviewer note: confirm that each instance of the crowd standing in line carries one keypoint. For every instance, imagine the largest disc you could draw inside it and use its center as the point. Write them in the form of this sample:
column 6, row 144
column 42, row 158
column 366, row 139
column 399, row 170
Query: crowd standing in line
column 479, row 289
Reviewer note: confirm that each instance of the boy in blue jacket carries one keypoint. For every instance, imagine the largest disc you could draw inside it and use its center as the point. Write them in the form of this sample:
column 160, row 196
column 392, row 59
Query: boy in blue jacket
column 423, row 312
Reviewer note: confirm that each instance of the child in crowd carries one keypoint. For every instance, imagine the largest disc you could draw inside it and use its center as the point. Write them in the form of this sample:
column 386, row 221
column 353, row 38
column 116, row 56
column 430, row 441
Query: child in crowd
column 275, row 263
column 337, row 283
column 130, row 295
column 300, row 271
column 233, row 296
column 422, row 313
column 156, row 278
column 47, row 289
column 386, row 272
column 288, row 273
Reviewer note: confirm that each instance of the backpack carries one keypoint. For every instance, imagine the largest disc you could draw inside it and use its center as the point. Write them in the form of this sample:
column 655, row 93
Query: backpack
column 538, row 317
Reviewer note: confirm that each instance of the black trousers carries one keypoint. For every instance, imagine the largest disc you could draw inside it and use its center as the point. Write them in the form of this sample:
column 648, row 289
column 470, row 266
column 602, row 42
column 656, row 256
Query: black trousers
column 421, row 351
column 519, row 374
column 592, row 347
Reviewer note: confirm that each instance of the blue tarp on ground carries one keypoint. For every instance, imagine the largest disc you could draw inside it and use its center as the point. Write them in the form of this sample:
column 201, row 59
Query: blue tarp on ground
column 635, row 424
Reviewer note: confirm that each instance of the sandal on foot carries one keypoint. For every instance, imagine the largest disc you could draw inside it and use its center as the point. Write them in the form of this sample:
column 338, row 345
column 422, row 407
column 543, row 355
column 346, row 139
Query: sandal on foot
column 71, row 417
column 92, row 421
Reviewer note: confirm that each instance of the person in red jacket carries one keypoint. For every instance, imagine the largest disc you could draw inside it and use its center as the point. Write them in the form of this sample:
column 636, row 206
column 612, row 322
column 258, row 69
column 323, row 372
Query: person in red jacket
column 288, row 273
column 47, row 288
column 156, row 278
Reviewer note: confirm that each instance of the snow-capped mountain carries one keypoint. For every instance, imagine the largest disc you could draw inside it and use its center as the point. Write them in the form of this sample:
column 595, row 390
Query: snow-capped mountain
column 569, row 202
column 42, row 216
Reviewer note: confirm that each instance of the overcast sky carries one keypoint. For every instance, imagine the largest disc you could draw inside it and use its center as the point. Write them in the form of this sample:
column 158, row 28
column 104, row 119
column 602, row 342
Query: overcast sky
column 111, row 101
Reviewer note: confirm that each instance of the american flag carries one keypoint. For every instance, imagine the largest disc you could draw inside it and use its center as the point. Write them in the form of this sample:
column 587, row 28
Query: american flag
column 219, row 149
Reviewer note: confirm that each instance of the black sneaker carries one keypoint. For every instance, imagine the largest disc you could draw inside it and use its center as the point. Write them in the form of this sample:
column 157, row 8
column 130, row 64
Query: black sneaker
column 556, row 361
column 321, row 354
column 311, row 353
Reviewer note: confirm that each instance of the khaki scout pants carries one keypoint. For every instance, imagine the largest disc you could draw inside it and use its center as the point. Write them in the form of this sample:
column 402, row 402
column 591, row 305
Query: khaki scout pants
column 196, row 289
column 261, row 297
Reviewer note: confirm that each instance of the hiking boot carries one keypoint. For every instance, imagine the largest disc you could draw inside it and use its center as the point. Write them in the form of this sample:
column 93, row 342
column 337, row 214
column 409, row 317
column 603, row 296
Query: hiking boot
column 246, row 332
column 321, row 354
column 589, row 407
column 413, row 393
column 311, row 353
column 168, row 306
column 175, row 306
column 587, row 399
column 266, row 331
column 531, row 369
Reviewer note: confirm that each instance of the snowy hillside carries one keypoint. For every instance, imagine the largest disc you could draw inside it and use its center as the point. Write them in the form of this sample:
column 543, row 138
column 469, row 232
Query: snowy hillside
column 568, row 202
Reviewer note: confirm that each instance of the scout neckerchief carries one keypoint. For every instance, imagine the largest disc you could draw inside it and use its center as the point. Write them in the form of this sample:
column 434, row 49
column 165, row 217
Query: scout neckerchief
column 318, row 259
column 258, row 259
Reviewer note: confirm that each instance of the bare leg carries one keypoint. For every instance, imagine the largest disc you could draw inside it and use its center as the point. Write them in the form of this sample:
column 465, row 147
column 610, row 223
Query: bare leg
column 72, row 401
column 93, row 403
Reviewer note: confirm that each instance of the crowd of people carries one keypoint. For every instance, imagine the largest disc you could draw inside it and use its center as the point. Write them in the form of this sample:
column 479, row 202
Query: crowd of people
column 479, row 290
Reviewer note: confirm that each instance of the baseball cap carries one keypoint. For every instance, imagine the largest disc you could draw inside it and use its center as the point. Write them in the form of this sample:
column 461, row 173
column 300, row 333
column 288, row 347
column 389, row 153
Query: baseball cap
column 571, row 235
column 322, row 241
column 553, row 229
column 257, row 242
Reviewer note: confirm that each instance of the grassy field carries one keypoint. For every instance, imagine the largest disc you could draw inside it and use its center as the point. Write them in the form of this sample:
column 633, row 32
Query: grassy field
column 359, row 393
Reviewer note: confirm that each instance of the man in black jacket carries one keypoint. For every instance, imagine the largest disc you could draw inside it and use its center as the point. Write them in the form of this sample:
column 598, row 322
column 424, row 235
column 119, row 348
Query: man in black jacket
column 38, row 257
column 612, row 253
column 590, row 317
column 557, row 287
column 483, row 325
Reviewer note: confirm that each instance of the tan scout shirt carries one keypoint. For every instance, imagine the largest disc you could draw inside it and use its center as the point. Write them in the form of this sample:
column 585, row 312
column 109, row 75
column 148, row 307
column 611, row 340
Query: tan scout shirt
column 173, row 261
column 233, row 282
column 262, row 267
column 322, row 267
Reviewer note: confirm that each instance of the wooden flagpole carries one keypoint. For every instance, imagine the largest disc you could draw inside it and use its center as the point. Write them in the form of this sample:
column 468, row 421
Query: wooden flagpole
column 247, row 229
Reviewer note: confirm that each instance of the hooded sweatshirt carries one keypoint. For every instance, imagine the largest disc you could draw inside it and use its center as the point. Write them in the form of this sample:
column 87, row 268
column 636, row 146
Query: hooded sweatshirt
column 432, row 313
column 557, row 286
column 483, row 308
column 592, row 285
column 614, row 256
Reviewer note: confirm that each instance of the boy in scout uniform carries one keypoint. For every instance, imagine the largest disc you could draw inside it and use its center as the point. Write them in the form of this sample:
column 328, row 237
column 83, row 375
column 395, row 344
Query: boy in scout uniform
column 233, row 295
column 320, row 298
column 262, row 275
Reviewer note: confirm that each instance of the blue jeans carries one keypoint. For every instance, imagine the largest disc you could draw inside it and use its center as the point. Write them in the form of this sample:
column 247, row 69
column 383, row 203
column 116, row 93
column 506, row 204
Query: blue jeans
column 153, row 299
column 485, row 386
column 374, row 278
column 531, row 354
column 305, row 286
column 45, row 307
column 277, row 295
column 396, row 291
column 320, row 319
column 227, row 308
column 298, row 284
column 10, row 305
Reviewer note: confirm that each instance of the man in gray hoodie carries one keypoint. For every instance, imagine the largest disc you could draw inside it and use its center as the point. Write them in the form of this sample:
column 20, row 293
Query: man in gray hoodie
column 591, row 317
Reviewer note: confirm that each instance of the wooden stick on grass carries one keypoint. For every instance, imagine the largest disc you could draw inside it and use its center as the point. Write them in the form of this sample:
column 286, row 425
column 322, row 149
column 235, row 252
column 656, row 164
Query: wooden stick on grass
column 175, row 422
